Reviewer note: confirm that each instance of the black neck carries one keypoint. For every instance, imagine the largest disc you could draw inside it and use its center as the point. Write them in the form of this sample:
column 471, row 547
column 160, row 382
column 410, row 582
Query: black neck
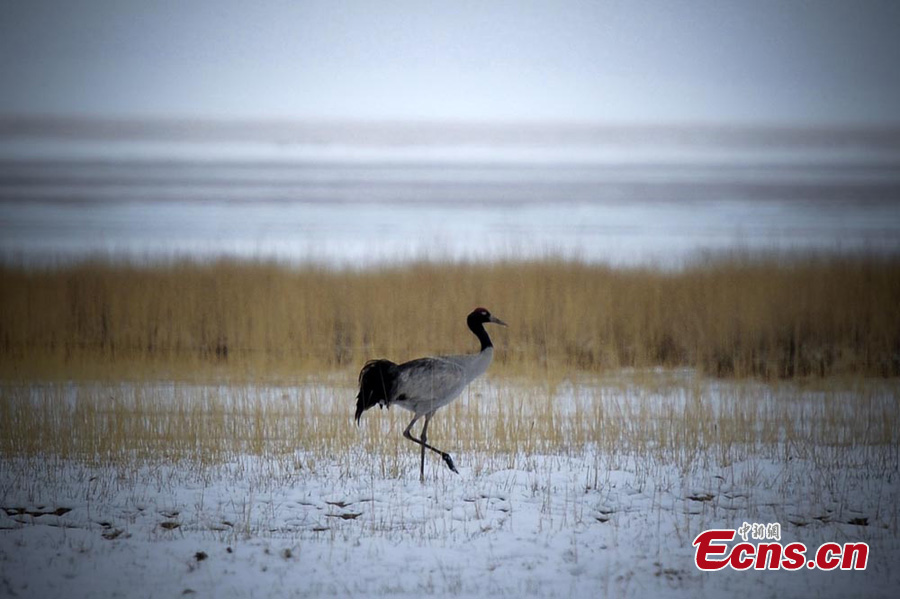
column 478, row 328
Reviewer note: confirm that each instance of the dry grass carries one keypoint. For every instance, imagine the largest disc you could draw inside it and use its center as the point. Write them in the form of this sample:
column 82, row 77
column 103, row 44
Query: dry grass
column 738, row 316
column 674, row 418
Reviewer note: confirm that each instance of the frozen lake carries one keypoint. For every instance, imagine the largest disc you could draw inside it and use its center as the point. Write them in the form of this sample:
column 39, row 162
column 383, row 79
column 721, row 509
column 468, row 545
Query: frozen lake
column 357, row 195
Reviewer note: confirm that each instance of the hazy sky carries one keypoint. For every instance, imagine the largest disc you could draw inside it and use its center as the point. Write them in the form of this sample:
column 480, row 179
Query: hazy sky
column 626, row 61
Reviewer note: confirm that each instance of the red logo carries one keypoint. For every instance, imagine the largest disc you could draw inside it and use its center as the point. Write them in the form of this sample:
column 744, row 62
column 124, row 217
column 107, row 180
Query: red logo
column 714, row 552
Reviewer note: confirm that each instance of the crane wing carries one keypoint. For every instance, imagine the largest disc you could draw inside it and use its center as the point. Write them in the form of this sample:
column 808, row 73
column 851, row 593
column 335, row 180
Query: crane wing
column 431, row 378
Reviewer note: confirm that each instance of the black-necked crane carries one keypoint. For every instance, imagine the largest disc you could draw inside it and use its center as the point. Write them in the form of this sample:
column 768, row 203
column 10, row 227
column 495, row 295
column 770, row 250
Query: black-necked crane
column 424, row 385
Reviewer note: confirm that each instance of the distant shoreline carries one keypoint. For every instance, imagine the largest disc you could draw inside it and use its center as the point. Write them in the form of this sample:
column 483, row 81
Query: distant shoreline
column 373, row 132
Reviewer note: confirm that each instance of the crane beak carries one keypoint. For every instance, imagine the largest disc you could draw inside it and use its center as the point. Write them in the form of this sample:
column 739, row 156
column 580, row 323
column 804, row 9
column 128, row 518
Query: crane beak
column 496, row 320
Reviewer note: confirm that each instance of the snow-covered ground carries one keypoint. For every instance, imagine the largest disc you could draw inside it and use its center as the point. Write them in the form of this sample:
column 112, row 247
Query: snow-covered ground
column 577, row 526
column 587, row 522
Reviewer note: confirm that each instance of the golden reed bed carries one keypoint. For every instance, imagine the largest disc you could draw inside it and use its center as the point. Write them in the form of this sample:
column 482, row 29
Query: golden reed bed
column 736, row 316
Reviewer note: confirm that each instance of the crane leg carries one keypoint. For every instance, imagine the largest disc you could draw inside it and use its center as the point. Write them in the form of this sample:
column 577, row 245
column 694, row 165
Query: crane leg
column 444, row 455
column 423, row 437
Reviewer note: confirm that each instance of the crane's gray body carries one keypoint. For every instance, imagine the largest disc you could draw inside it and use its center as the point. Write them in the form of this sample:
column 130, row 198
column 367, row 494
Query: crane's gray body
column 426, row 384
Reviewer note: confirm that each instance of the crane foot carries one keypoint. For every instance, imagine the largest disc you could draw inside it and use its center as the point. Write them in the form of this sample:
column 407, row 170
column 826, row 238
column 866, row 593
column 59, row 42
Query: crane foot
column 449, row 461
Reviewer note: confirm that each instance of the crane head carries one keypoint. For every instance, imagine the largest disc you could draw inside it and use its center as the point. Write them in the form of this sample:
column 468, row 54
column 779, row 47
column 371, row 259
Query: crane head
column 481, row 315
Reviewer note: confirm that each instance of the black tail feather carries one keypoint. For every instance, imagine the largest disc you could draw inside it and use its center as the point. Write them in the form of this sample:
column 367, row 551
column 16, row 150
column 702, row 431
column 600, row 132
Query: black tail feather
column 377, row 380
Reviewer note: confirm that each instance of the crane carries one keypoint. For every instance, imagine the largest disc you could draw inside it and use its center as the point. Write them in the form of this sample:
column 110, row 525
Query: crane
column 424, row 385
